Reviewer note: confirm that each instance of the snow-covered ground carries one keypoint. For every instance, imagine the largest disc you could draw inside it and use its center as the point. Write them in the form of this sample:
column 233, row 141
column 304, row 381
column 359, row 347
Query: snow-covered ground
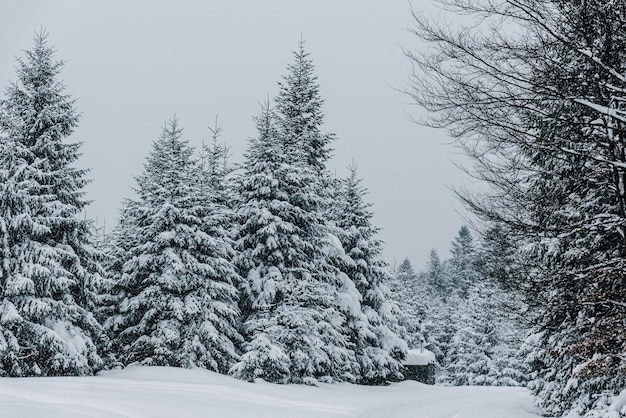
column 153, row 392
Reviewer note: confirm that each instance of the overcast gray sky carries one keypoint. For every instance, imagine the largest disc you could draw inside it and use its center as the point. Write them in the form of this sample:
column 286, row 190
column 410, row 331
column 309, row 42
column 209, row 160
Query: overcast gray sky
column 134, row 64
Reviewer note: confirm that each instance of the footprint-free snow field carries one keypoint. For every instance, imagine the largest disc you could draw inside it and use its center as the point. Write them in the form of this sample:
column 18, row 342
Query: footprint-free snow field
column 154, row 392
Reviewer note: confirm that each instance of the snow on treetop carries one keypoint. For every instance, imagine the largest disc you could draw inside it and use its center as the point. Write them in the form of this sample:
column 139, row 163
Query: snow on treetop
column 419, row 358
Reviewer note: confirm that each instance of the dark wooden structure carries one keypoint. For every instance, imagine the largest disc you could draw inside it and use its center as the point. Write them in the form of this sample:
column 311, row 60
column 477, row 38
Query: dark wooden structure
column 419, row 365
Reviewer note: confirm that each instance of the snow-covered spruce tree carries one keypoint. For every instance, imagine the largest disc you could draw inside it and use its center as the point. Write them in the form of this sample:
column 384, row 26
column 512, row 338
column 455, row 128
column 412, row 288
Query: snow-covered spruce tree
column 216, row 169
column 299, row 120
column 498, row 259
column 375, row 337
column 439, row 324
column 289, row 304
column 116, row 245
column 469, row 357
column 177, row 295
column 475, row 334
column 463, row 265
column 49, row 270
column 409, row 292
column 483, row 351
column 438, row 275
column 299, row 110
column 580, row 247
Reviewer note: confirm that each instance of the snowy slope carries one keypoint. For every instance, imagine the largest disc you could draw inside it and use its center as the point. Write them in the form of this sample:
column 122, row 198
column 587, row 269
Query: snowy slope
column 152, row 392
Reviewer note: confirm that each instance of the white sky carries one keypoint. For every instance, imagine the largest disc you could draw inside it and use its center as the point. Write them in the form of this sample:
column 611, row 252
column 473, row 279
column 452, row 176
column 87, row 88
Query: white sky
column 134, row 64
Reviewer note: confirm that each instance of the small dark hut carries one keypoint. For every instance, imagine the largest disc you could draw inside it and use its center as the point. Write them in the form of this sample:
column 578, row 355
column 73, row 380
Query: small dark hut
column 419, row 365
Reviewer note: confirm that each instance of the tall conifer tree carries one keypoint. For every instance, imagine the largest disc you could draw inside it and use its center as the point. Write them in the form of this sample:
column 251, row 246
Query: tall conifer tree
column 289, row 304
column 299, row 109
column 376, row 340
column 49, row 269
column 410, row 292
column 177, row 296
column 305, row 316
column 463, row 267
column 216, row 170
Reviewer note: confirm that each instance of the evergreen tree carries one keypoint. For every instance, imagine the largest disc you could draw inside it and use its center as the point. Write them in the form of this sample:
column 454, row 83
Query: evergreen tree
column 290, row 297
column 497, row 258
column 300, row 281
column 49, row 271
column 216, row 170
column 376, row 339
column 475, row 334
column 481, row 351
column 177, row 288
column 578, row 254
column 405, row 273
column 299, row 122
column 408, row 292
column 438, row 277
column 439, row 325
column 463, row 262
column 469, row 358
column 116, row 246
column 299, row 110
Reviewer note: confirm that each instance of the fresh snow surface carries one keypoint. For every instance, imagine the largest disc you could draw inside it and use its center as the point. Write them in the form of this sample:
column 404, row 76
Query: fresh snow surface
column 419, row 358
column 153, row 392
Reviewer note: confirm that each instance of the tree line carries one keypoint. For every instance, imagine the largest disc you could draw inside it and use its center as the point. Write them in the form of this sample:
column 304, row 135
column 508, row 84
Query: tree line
column 269, row 271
